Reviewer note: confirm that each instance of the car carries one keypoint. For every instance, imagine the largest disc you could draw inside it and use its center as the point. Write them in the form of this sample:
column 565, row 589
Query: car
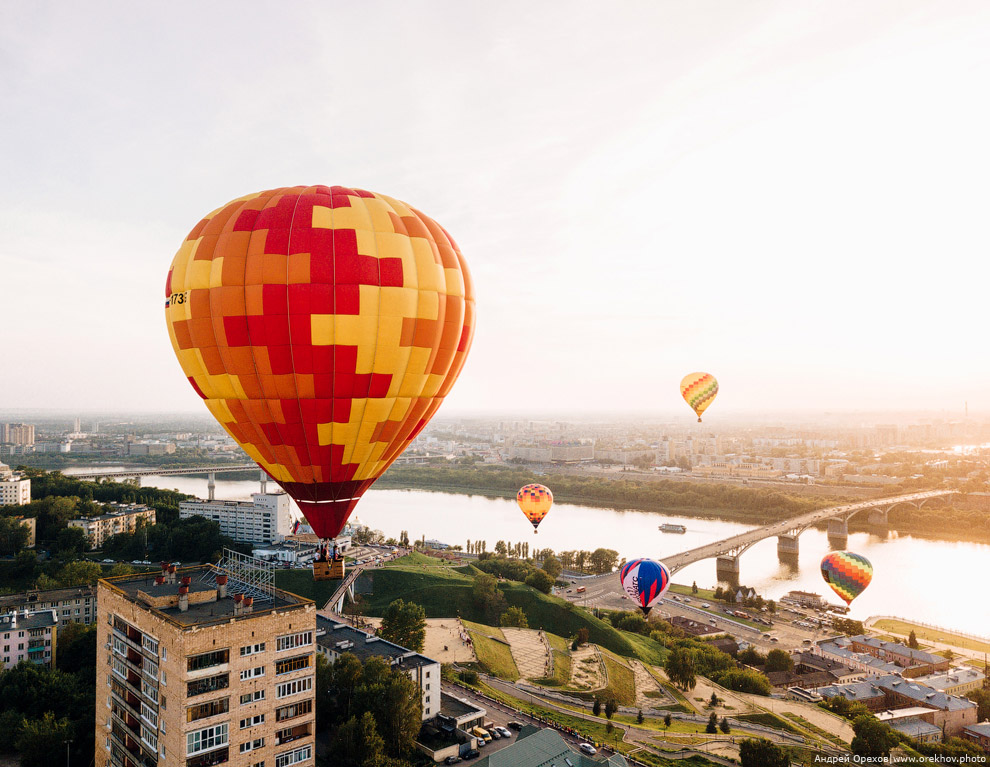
column 472, row 754
column 515, row 725
column 505, row 733
column 135, row 561
column 588, row 749
column 108, row 561
column 676, row 598
column 687, row 600
column 568, row 591
column 705, row 605
column 806, row 641
column 774, row 640
column 713, row 621
column 493, row 731
column 766, row 636
column 624, row 596
column 453, row 760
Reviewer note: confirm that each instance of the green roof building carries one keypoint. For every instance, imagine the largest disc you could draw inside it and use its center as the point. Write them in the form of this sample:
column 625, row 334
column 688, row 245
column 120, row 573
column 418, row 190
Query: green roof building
column 546, row 748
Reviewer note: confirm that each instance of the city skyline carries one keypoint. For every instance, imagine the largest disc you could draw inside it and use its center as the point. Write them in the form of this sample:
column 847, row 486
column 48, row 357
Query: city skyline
column 788, row 198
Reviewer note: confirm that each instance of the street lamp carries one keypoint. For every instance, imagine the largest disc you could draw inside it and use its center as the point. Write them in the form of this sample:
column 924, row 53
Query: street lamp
column 67, row 744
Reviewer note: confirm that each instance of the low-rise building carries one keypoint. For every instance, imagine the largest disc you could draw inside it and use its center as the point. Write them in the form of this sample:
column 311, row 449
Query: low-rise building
column 840, row 650
column 72, row 605
column 266, row 518
column 957, row 681
column 539, row 748
column 806, row 599
column 913, row 663
column 15, row 490
column 694, row 628
column 123, row 519
column 978, row 733
column 31, row 523
column 28, row 636
column 915, row 722
column 334, row 639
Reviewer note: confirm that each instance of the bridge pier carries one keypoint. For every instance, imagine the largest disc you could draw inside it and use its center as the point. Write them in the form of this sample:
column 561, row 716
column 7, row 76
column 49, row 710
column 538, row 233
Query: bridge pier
column 787, row 546
column 838, row 533
column 264, row 482
column 727, row 569
column 878, row 517
column 211, row 485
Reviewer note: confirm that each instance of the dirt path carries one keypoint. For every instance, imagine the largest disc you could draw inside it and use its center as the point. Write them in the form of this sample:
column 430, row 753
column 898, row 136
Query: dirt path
column 817, row 716
column 646, row 683
column 443, row 640
column 730, row 703
column 528, row 651
column 586, row 669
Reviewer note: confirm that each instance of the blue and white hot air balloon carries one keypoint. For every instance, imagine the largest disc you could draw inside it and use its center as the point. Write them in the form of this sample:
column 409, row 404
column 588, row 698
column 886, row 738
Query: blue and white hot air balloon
column 645, row 581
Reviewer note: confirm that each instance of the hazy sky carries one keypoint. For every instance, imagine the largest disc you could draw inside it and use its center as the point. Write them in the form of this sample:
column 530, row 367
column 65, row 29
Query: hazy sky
column 791, row 195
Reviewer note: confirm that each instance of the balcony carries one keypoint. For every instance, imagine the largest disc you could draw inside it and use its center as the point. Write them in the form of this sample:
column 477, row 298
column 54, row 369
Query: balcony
column 136, row 645
column 139, row 752
column 209, row 759
column 293, row 733
column 132, row 708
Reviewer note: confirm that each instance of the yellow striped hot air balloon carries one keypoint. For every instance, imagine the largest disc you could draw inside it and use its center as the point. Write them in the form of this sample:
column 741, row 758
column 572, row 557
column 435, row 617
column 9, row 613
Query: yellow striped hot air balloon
column 699, row 390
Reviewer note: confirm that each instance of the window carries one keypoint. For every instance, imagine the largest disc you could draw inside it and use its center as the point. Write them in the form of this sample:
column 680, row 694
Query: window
column 252, row 745
column 251, row 673
column 149, row 737
column 294, row 687
column 149, row 644
column 149, row 690
column 164, row 654
column 207, row 659
column 291, row 664
column 150, row 667
column 149, row 715
column 291, row 641
column 294, row 757
column 119, row 668
column 252, row 649
column 119, row 647
column 207, row 684
column 252, row 697
column 296, row 709
column 252, row 721
column 210, row 708
column 207, row 738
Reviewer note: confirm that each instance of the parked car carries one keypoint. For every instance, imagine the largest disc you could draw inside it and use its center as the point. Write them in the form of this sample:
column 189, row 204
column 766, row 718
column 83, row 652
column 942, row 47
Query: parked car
column 472, row 754
column 588, row 749
column 515, row 725
column 504, row 732
column 453, row 760
column 108, row 561
column 705, row 605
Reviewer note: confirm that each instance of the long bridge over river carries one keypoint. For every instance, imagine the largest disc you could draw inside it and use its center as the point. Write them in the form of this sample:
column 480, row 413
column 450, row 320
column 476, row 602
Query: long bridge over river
column 728, row 550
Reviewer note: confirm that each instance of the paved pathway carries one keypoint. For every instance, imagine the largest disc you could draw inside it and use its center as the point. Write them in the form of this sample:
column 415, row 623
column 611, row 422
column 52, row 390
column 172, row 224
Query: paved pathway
column 528, row 651
column 587, row 668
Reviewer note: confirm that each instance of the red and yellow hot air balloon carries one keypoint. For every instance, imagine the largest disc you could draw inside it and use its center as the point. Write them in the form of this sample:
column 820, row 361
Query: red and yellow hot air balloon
column 535, row 502
column 699, row 390
column 323, row 326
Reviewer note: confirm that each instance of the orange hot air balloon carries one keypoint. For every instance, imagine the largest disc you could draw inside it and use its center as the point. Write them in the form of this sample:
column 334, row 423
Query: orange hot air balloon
column 535, row 502
column 323, row 326
column 699, row 390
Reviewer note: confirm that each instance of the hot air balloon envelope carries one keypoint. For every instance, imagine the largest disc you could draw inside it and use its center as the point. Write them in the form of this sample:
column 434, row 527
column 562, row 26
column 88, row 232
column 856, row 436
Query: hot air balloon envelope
column 699, row 390
column 535, row 502
column 847, row 573
column 645, row 581
column 322, row 326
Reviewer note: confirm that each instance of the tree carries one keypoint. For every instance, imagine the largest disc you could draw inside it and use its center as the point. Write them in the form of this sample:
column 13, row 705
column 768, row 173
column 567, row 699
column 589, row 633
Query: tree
column 680, row 669
column 760, row 752
column 357, row 742
column 582, row 636
column 70, row 542
column 344, row 679
column 713, row 701
column 610, row 707
column 500, row 548
column 667, row 719
column 772, row 607
column 712, row 726
column 76, row 649
column 743, row 680
column 552, row 566
column 540, row 580
column 514, row 617
column 488, row 597
column 982, row 698
column 596, row 707
column 604, row 560
column 13, row 536
column 751, row 657
column 694, row 587
column 913, row 640
column 404, row 623
column 873, row 738
column 639, row 717
column 779, row 660
column 43, row 741
column 396, row 703
column 79, row 573
column 724, row 725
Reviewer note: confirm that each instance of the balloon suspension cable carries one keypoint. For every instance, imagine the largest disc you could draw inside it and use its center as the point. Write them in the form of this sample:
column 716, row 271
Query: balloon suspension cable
column 646, row 611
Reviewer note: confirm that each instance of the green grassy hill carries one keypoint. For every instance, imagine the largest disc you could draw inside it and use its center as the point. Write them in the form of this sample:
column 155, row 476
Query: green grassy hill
column 446, row 592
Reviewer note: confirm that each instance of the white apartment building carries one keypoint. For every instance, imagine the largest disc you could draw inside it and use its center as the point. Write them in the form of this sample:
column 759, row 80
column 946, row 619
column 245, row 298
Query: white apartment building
column 123, row 519
column 15, row 490
column 267, row 518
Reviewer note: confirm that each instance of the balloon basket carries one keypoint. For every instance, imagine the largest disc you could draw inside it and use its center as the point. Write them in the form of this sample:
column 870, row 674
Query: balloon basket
column 328, row 571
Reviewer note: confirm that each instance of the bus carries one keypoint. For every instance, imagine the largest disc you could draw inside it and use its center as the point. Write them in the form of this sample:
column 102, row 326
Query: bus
column 580, row 589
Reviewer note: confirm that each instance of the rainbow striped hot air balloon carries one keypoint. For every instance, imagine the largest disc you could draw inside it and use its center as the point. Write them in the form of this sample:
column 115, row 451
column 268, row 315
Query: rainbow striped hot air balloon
column 535, row 502
column 699, row 390
column 847, row 573
column 645, row 581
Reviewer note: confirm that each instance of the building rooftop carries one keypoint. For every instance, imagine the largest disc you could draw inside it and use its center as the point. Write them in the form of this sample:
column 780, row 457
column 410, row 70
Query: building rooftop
column 924, row 694
column 456, row 707
column 205, row 606
column 860, row 691
column 119, row 510
column 952, row 678
column 341, row 638
column 540, row 748
column 919, row 656
column 981, row 730
column 902, row 713
column 840, row 648
column 915, row 728
column 42, row 619
column 8, row 601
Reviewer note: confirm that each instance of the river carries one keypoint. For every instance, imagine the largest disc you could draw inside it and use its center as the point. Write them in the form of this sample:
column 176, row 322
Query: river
column 936, row 582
